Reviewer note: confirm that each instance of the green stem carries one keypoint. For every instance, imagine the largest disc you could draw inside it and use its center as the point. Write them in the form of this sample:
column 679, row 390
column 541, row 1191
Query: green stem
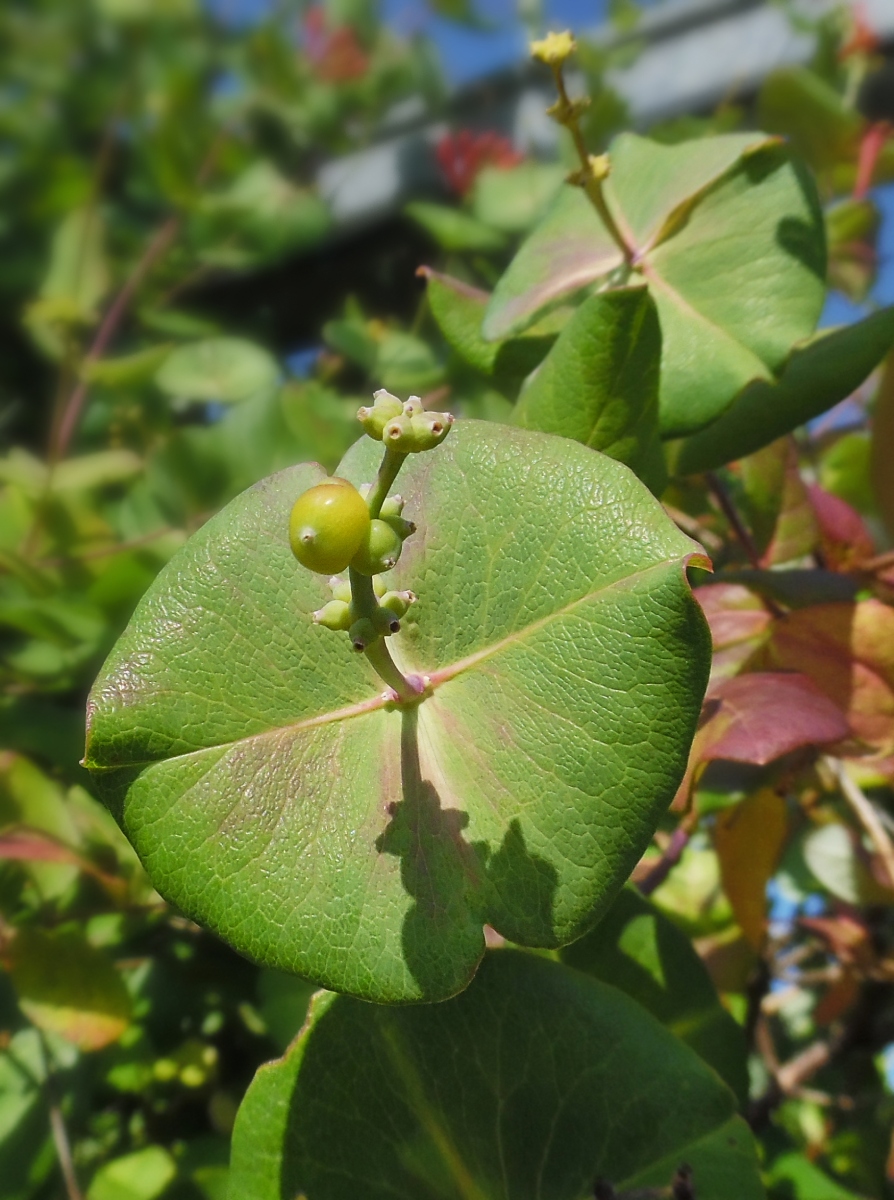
column 386, row 668
column 391, row 464
column 592, row 183
column 363, row 596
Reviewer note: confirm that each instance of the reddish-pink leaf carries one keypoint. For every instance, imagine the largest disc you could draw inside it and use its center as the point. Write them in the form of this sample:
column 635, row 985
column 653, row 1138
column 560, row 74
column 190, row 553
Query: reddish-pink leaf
column 848, row 651
column 845, row 540
column 738, row 620
column 30, row 845
column 764, row 715
column 759, row 717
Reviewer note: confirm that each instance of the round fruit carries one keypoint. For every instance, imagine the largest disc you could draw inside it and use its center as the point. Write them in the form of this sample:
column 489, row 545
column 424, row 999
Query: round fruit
column 379, row 550
column 328, row 525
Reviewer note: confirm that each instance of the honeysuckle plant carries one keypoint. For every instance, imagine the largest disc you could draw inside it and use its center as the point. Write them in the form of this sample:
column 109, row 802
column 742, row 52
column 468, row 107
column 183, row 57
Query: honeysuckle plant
column 525, row 602
column 398, row 728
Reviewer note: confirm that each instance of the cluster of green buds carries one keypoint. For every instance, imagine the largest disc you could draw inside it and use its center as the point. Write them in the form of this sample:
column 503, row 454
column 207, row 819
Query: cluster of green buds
column 341, row 612
column 335, row 527
column 404, row 426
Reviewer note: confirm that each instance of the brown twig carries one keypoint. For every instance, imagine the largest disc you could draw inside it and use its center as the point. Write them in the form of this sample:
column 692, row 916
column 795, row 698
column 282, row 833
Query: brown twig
column 729, row 510
column 57, row 1127
column 157, row 248
column 107, row 330
column 671, row 855
column 740, row 529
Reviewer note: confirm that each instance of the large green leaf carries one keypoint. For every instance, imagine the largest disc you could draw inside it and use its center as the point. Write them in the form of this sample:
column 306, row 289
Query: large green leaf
column 453, row 229
column 536, row 1082
column 459, row 310
column 819, row 374
column 253, row 761
column 638, row 949
column 599, row 383
column 729, row 236
column 224, row 369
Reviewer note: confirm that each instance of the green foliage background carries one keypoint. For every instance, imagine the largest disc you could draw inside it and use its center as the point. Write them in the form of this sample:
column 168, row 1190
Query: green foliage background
column 156, row 180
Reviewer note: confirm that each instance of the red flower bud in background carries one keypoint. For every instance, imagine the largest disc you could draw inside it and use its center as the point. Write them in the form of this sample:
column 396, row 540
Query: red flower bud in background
column 335, row 55
column 462, row 155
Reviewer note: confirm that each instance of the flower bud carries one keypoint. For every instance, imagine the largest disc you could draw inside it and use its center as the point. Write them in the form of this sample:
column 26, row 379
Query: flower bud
column 386, row 622
column 431, row 429
column 392, row 506
column 554, row 48
column 398, row 435
column 385, row 408
column 402, row 528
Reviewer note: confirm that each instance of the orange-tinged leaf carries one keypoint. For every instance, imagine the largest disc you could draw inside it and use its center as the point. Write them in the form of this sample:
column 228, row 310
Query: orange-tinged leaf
column 738, row 620
column 845, row 541
column 848, row 650
column 66, row 986
column 749, row 840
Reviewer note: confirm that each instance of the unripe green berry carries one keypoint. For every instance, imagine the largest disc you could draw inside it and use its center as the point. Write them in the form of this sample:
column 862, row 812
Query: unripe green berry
column 379, row 551
column 380, row 587
column 334, row 615
column 431, row 428
column 327, row 526
column 340, row 588
column 412, row 407
column 392, row 506
column 363, row 633
column 386, row 622
column 421, row 431
column 398, row 602
column 375, row 419
column 398, row 435
column 402, row 528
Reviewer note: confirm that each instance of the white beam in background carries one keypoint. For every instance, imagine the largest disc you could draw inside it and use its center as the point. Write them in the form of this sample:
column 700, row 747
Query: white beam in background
column 697, row 53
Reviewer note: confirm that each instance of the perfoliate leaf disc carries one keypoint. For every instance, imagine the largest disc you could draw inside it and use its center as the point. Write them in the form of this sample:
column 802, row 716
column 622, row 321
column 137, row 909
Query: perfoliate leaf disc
column 275, row 796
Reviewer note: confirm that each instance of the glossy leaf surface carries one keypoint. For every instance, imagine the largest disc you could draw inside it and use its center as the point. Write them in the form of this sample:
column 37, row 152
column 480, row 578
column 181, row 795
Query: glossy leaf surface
column 489, row 1097
column 599, row 383
column 727, row 234
column 636, row 948
column 252, row 760
column 818, row 375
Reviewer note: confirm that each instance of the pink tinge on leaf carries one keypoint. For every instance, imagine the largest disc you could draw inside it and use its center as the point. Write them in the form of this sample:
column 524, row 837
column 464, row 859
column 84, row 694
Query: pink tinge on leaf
column 845, row 540
column 765, row 715
column 738, row 620
column 461, row 156
column 848, row 651
column 759, row 717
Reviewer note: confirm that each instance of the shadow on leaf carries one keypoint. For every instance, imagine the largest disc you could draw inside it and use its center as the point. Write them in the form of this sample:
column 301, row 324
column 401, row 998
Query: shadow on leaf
column 457, row 885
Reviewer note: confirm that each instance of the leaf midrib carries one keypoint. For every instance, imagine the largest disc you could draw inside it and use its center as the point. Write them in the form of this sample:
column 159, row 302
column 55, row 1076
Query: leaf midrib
column 437, row 678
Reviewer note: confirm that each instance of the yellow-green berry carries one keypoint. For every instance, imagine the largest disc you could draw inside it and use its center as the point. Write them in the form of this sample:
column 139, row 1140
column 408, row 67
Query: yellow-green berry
column 327, row 526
